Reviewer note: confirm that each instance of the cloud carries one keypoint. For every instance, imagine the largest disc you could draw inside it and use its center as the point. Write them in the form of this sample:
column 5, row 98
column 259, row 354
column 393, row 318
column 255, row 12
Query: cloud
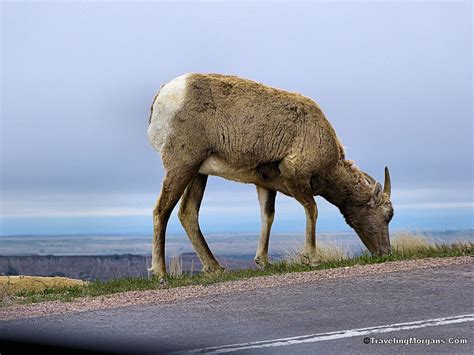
column 217, row 201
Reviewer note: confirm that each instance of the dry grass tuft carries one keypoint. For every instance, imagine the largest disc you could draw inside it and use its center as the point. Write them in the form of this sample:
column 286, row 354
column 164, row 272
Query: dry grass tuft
column 410, row 244
column 10, row 285
column 176, row 265
column 404, row 242
column 6, row 293
column 326, row 252
column 329, row 252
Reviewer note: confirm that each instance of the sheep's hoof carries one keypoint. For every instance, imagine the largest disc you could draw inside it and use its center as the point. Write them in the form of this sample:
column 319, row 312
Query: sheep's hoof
column 213, row 269
column 309, row 259
column 155, row 272
column 261, row 261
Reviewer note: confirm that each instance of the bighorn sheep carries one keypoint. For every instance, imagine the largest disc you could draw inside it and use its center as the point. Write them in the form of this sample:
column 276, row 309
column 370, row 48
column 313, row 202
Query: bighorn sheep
column 212, row 124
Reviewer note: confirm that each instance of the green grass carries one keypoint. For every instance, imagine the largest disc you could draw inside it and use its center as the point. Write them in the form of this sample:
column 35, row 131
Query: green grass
column 404, row 248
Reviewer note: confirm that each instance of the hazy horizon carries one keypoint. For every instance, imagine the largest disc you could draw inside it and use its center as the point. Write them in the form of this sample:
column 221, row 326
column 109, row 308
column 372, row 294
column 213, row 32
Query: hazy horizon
column 77, row 81
column 220, row 244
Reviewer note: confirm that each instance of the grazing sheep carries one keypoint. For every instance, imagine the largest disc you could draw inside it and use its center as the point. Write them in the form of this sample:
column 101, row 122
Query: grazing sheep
column 211, row 124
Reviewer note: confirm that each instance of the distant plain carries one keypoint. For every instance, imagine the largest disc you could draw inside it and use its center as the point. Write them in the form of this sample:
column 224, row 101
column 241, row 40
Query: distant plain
column 220, row 244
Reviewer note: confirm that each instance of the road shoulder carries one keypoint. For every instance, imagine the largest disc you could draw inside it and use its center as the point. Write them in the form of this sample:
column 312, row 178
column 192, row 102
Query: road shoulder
column 148, row 297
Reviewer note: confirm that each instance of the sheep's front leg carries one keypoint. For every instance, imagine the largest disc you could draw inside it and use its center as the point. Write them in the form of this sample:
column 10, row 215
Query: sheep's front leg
column 311, row 210
column 267, row 212
column 300, row 189
column 309, row 254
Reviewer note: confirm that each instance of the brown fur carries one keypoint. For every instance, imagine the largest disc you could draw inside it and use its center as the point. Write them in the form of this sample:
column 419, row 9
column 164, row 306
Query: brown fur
column 249, row 124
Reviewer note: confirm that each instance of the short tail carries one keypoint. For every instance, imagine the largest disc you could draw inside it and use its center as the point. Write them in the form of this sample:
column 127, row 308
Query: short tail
column 342, row 153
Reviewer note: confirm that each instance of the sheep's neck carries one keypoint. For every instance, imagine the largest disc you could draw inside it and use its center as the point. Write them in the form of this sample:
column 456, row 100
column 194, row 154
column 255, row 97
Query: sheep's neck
column 342, row 186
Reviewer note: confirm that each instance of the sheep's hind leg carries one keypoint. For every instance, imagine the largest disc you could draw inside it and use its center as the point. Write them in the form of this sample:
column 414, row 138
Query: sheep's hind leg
column 174, row 184
column 267, row 211
column 189, row 216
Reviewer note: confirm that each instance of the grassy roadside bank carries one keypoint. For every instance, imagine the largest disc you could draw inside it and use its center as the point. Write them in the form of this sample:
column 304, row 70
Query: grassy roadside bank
column 405, row 247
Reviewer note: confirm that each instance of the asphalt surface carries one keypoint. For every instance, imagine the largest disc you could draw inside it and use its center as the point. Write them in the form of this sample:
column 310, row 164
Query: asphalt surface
column 268, row 314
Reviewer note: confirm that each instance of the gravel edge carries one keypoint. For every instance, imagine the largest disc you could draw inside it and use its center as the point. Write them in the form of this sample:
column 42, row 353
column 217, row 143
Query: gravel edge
column 131, row 298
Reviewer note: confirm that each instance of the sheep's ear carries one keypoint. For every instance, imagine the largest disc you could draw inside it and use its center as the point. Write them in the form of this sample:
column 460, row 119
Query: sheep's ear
column 377, row 193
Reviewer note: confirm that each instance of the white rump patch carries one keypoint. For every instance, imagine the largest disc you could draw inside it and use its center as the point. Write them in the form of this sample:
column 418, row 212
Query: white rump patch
column 169, row 101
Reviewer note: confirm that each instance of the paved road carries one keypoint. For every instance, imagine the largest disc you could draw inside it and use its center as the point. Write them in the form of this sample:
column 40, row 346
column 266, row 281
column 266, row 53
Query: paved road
column 430, row 304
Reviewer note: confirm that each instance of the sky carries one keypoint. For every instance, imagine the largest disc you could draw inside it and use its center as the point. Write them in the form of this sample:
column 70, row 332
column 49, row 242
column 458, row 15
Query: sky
column 78, row 79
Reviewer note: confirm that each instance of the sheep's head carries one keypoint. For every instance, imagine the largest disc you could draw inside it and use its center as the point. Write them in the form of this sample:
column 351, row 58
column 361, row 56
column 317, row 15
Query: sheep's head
column 370, row 220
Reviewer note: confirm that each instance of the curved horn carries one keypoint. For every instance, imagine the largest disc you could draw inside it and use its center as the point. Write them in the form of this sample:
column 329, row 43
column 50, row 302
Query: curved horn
column 387, row 185
column 370, row 178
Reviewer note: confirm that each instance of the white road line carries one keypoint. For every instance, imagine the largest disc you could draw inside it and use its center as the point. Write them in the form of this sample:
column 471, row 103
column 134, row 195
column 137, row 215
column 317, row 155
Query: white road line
column 349, row 333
